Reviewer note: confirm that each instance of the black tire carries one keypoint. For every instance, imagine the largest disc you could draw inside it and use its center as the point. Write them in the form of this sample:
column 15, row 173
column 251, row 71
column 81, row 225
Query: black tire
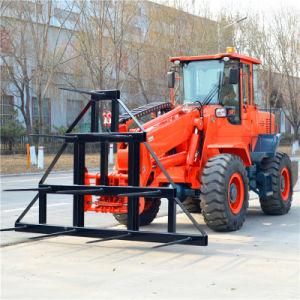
column 275, row 204
column 217, row 206
column 147, row 216
column 192, row 204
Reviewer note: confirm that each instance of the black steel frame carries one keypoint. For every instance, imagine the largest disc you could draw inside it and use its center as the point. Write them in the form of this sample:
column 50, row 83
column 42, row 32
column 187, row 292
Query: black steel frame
column 133, row 190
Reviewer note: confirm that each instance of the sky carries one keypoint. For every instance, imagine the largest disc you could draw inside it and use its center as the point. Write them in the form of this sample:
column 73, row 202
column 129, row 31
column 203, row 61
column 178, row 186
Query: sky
column 242, row 6
column 264, row 6
column 260, row 5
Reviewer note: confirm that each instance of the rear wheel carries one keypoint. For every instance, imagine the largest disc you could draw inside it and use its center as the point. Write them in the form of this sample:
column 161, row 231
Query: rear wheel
column 224, row 193
column 279, row 203
column 147, row 216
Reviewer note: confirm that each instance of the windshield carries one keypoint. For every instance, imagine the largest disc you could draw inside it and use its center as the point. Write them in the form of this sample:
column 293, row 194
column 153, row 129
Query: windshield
column 208, row 77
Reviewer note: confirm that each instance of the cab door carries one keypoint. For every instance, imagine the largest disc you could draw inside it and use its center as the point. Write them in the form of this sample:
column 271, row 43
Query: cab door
column 234, row 129
column 249, row 109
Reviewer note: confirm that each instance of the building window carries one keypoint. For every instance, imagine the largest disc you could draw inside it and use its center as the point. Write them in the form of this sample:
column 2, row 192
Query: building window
column 5, row 41
column 64, row 14
column 124, row 63
column 74, row 107
column 6, row 72
column 46, row 103
column 36, row 8
column 6, row 108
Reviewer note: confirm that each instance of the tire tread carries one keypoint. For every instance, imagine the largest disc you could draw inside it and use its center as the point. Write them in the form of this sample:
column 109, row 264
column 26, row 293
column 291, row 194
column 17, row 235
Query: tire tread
column 213, row 194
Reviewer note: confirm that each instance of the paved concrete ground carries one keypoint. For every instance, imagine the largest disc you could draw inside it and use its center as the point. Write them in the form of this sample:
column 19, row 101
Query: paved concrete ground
column 261, row 261
column 59, row 206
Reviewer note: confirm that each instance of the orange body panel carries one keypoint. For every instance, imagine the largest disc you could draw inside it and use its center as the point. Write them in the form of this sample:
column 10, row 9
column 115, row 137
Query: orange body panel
column 184, row 139
column 173, row 138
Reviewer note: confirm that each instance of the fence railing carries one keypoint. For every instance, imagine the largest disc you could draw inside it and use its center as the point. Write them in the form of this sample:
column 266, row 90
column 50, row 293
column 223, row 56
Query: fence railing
column 17, row 145
column 51, row 146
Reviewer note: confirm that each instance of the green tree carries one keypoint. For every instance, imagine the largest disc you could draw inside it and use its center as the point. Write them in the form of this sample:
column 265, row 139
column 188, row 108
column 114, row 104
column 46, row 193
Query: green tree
column 11, row 132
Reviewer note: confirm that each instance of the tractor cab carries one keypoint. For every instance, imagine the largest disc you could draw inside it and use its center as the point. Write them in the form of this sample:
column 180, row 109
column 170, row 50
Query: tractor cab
column 228, row 80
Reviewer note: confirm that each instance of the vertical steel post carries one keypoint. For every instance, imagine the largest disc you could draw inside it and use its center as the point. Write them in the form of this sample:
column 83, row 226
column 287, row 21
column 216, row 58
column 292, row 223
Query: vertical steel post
column 114, row 116
column 95, row 116
column 78, row 178
column 104, row 163
column 114, row 127
column 133, row 180
column 171, row 215
column 42, row 208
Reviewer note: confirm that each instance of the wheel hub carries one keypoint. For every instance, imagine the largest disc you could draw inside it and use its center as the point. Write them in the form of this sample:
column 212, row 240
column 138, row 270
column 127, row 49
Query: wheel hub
column 233, row 193
column 236, row 193
column 282, row 183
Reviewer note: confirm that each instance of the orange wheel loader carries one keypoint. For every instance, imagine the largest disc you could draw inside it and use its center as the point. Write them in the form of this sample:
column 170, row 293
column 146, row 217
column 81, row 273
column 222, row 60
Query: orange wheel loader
column 204, row 150
column 215, row 144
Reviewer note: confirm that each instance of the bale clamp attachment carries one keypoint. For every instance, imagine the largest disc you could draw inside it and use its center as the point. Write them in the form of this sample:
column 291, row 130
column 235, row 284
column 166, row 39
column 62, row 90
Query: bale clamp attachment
column 133, row 191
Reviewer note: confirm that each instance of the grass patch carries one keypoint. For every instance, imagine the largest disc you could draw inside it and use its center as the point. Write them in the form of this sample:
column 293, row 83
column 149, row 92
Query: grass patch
column 15, row 164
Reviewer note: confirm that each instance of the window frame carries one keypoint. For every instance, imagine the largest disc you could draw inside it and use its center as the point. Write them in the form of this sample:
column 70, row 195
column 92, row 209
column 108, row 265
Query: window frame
column 7, row 110
column 35, row 117
column 255, row 85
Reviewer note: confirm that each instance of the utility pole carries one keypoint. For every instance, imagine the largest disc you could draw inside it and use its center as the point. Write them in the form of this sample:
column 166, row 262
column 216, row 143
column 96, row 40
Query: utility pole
column 220, row 30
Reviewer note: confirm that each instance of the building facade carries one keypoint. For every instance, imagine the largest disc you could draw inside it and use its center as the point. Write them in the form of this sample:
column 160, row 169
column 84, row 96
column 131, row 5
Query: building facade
column 47, row 45
column 53, row 44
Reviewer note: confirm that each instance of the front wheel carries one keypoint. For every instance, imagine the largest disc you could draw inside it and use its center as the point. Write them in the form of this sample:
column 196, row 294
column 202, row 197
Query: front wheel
column 224, row 193
column 147, row 215
column 279, row 203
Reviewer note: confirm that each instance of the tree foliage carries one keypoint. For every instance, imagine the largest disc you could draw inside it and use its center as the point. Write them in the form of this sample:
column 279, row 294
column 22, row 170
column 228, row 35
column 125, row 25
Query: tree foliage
column 126, row 45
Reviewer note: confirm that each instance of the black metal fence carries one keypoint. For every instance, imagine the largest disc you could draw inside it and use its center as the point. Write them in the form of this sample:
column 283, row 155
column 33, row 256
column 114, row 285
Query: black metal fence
column 17, row 145
column 51, row 146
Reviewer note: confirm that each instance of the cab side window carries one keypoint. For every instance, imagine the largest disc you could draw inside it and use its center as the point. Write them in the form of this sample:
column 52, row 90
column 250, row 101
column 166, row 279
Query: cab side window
column 246, row 83
column 229, row 93
column 257, row 99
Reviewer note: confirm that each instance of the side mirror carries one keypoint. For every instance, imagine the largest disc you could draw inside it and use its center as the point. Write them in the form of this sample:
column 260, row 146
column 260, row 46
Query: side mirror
column 234, row 76
column 171, row 79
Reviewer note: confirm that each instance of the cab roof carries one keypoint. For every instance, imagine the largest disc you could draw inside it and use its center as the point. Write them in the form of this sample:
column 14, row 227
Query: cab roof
column 217, row 56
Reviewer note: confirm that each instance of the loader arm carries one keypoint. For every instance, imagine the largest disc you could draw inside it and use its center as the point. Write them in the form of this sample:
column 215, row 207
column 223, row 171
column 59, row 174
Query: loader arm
column 170, row 136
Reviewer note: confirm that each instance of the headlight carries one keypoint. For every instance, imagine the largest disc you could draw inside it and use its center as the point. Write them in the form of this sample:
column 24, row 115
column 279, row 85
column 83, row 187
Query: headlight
column 221, row 112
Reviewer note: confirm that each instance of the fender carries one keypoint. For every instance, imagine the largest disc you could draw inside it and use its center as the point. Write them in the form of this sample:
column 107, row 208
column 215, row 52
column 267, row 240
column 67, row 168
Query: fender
column 238, row 149
column 266, row 146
